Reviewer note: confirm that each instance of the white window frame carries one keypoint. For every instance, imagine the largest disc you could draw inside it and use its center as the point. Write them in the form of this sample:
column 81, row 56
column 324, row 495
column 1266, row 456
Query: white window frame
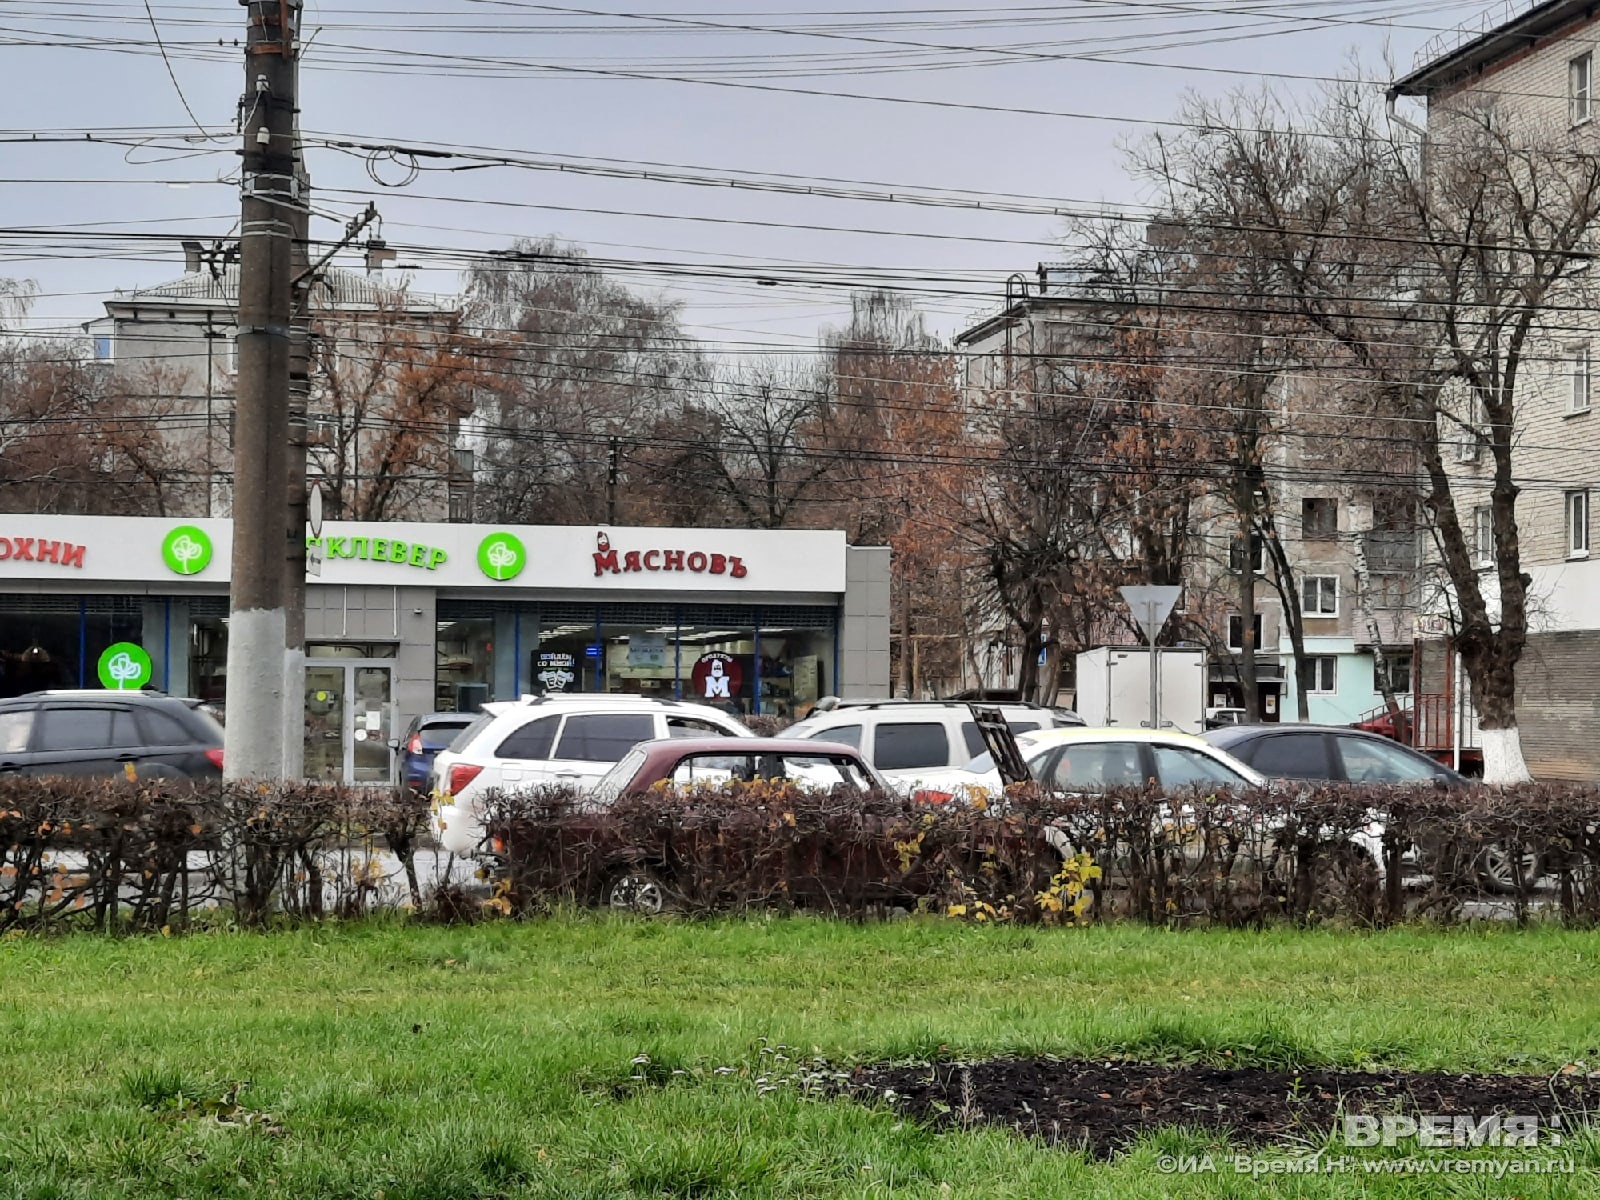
column 1579, row 378
column 1315, row 674
column 110, row 340
column 1483, row 536
column 1323, row 585
column 1259, row 625
column 1390, row 658
column 1257, row 555
column 1580, row 89
column 1576, row 504
column 1477, row 417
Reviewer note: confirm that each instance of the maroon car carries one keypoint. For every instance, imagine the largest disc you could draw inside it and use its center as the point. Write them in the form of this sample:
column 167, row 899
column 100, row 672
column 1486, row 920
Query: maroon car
column 684, row 762
column 603, row 850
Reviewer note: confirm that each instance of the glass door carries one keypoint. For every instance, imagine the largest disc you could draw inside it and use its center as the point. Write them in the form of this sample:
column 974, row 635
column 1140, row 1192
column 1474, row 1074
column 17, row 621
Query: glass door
column 348, row 714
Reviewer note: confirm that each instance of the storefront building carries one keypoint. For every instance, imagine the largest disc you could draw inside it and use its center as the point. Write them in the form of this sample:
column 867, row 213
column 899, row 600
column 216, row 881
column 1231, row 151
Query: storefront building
column 405, row 619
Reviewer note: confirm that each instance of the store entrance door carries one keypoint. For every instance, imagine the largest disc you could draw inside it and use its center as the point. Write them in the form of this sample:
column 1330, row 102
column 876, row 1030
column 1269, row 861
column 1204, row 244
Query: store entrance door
column 349, row 711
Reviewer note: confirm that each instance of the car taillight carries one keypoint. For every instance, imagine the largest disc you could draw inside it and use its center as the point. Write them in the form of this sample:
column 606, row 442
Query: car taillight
column 461, row 775
column 214, row 756
column 414, row 746
column 924, row 796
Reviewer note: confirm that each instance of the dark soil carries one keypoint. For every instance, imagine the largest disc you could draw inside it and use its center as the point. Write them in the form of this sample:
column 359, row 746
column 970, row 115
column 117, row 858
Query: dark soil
column 1103, row 1106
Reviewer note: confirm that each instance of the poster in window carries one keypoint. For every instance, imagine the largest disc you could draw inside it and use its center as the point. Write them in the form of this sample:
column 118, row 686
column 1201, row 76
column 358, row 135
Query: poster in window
column 717, row 676
column 554, row 670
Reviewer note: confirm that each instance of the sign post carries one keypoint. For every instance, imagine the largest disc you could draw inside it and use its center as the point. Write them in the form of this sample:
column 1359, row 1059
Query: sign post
column 1151, row 604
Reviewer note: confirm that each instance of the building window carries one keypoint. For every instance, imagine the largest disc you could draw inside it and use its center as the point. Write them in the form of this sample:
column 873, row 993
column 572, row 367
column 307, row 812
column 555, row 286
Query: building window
column 103, row 347
column 1236, row 631
column 1483, row 536
column 1578, row 524
column 1257, row 554
column 463, row 672
column 1475, row 433
column 1319, row 517
column 1580, row 88
column 1398, row 666
column 1319, row 596
column 1322, row 674
column 1578, row 378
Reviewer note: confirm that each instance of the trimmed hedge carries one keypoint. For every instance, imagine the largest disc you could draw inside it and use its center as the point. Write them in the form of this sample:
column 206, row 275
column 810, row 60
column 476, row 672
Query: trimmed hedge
column 147, row 855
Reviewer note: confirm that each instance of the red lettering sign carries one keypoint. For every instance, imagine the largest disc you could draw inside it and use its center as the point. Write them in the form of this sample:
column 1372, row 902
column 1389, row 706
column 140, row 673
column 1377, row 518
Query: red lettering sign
column 42, row 550
column 607, row 559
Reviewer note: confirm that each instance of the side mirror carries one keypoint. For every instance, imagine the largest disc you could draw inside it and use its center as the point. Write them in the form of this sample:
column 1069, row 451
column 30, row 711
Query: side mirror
column 394, row 743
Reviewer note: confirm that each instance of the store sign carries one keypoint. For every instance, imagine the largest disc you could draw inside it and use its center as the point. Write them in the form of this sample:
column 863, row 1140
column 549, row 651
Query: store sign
column 556, row 671
column 381, row 549
column 125, row 667
column 700, row 562
column 717, row 676
column 41, row 550
column 186, row 550
column 502, row 556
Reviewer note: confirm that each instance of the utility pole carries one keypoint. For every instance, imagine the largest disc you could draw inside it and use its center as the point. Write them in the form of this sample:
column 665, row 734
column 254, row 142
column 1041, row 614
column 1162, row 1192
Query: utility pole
column 256, row 625
column 611, row 481
column 294, row 565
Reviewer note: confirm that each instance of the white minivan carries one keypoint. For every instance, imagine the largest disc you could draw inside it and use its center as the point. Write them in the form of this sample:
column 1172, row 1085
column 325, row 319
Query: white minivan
column 552, row 739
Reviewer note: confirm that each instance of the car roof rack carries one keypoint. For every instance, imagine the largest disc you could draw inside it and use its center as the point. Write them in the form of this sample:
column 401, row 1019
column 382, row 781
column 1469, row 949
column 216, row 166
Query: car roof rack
column 95, row 692
column 834, row 703
column 599, row 697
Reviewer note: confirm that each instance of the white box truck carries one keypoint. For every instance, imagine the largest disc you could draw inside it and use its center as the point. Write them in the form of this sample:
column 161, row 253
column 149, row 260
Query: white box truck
column 1114, row 687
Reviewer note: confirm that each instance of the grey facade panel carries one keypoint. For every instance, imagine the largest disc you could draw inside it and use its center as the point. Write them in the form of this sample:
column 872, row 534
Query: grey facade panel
column 1558, row 705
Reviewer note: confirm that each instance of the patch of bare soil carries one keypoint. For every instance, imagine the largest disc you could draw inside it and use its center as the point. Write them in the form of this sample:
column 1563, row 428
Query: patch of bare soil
column 1104, row 1106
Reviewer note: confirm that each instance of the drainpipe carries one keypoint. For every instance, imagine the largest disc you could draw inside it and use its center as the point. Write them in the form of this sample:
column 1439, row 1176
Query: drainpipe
column 1396, row 119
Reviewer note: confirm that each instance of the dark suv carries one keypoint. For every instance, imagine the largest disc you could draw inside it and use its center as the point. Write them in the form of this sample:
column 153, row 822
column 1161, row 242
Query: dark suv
column 109, row 733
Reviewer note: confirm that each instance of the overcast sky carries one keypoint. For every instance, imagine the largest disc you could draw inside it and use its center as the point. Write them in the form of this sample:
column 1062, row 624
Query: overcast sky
column 540, row 80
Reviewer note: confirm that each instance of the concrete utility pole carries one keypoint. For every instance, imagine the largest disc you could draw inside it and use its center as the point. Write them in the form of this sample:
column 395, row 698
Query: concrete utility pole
column 253, row 748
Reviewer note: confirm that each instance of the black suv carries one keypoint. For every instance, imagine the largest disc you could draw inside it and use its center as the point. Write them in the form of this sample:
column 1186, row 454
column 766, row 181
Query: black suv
column 109, row 733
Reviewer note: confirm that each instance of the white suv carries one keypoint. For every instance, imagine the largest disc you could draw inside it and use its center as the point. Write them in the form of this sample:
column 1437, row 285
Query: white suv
column 560, row 739
column 905, row 738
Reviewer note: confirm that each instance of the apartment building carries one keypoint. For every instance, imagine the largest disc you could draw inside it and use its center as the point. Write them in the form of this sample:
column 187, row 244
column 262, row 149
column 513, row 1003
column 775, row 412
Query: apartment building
column 173, row 344
column 1535, row 61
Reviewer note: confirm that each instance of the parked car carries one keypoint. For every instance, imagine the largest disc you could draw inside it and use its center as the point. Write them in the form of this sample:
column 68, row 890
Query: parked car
column 109, row 733
column 1216, row 718
column 553, row 739
column 684, row 762
column 424, row 737
column 1087, row 760
column 1340, row 754
column 906, row 739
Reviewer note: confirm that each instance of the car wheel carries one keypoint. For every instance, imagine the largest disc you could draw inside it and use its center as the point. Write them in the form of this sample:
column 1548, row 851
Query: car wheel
column 1497, row 868
column 639, row 890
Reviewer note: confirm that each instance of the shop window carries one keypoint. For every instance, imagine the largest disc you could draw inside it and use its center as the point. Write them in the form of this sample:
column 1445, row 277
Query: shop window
column 796, row 660
column 208, row 659
column 568, row 657
column 463, row 679
column 640, row 655
column 56, row 641
column 715, row 663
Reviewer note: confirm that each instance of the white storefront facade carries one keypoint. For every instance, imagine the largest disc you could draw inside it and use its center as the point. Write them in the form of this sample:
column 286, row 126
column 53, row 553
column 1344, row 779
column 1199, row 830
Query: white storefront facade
column 408, row 618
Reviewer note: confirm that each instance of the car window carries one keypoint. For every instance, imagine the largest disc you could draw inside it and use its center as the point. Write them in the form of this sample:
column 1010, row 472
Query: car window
column 162, row 729
column 973, row 736
column 532, row 741
column 1288, row 756
column 1181, row 766
column 15, row 727
column 1367, row 760
column 903, row 745
column 468, row 735
column 619, row 777
column 845, row 735
column 438, row 734
column 86, row 729
column 1022, row 726
column 603, row 737
column 684, row 727
column 1095, row 766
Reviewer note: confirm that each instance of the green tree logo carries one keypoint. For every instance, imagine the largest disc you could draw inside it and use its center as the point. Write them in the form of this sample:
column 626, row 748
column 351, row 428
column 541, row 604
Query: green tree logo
column 502, row 556
column 125, row 667
column 186, row 550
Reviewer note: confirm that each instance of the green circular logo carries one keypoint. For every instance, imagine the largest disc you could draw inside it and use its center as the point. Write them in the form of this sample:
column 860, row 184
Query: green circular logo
column 186, row 550
column 125, row 667
column 502, row 556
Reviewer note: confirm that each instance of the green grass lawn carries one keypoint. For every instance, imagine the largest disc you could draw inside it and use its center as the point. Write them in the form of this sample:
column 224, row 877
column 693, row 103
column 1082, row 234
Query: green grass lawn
column 422, row 1063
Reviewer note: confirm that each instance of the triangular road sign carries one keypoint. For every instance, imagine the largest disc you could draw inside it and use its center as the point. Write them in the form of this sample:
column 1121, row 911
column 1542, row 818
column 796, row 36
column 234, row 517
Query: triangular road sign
column 1151, row 605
